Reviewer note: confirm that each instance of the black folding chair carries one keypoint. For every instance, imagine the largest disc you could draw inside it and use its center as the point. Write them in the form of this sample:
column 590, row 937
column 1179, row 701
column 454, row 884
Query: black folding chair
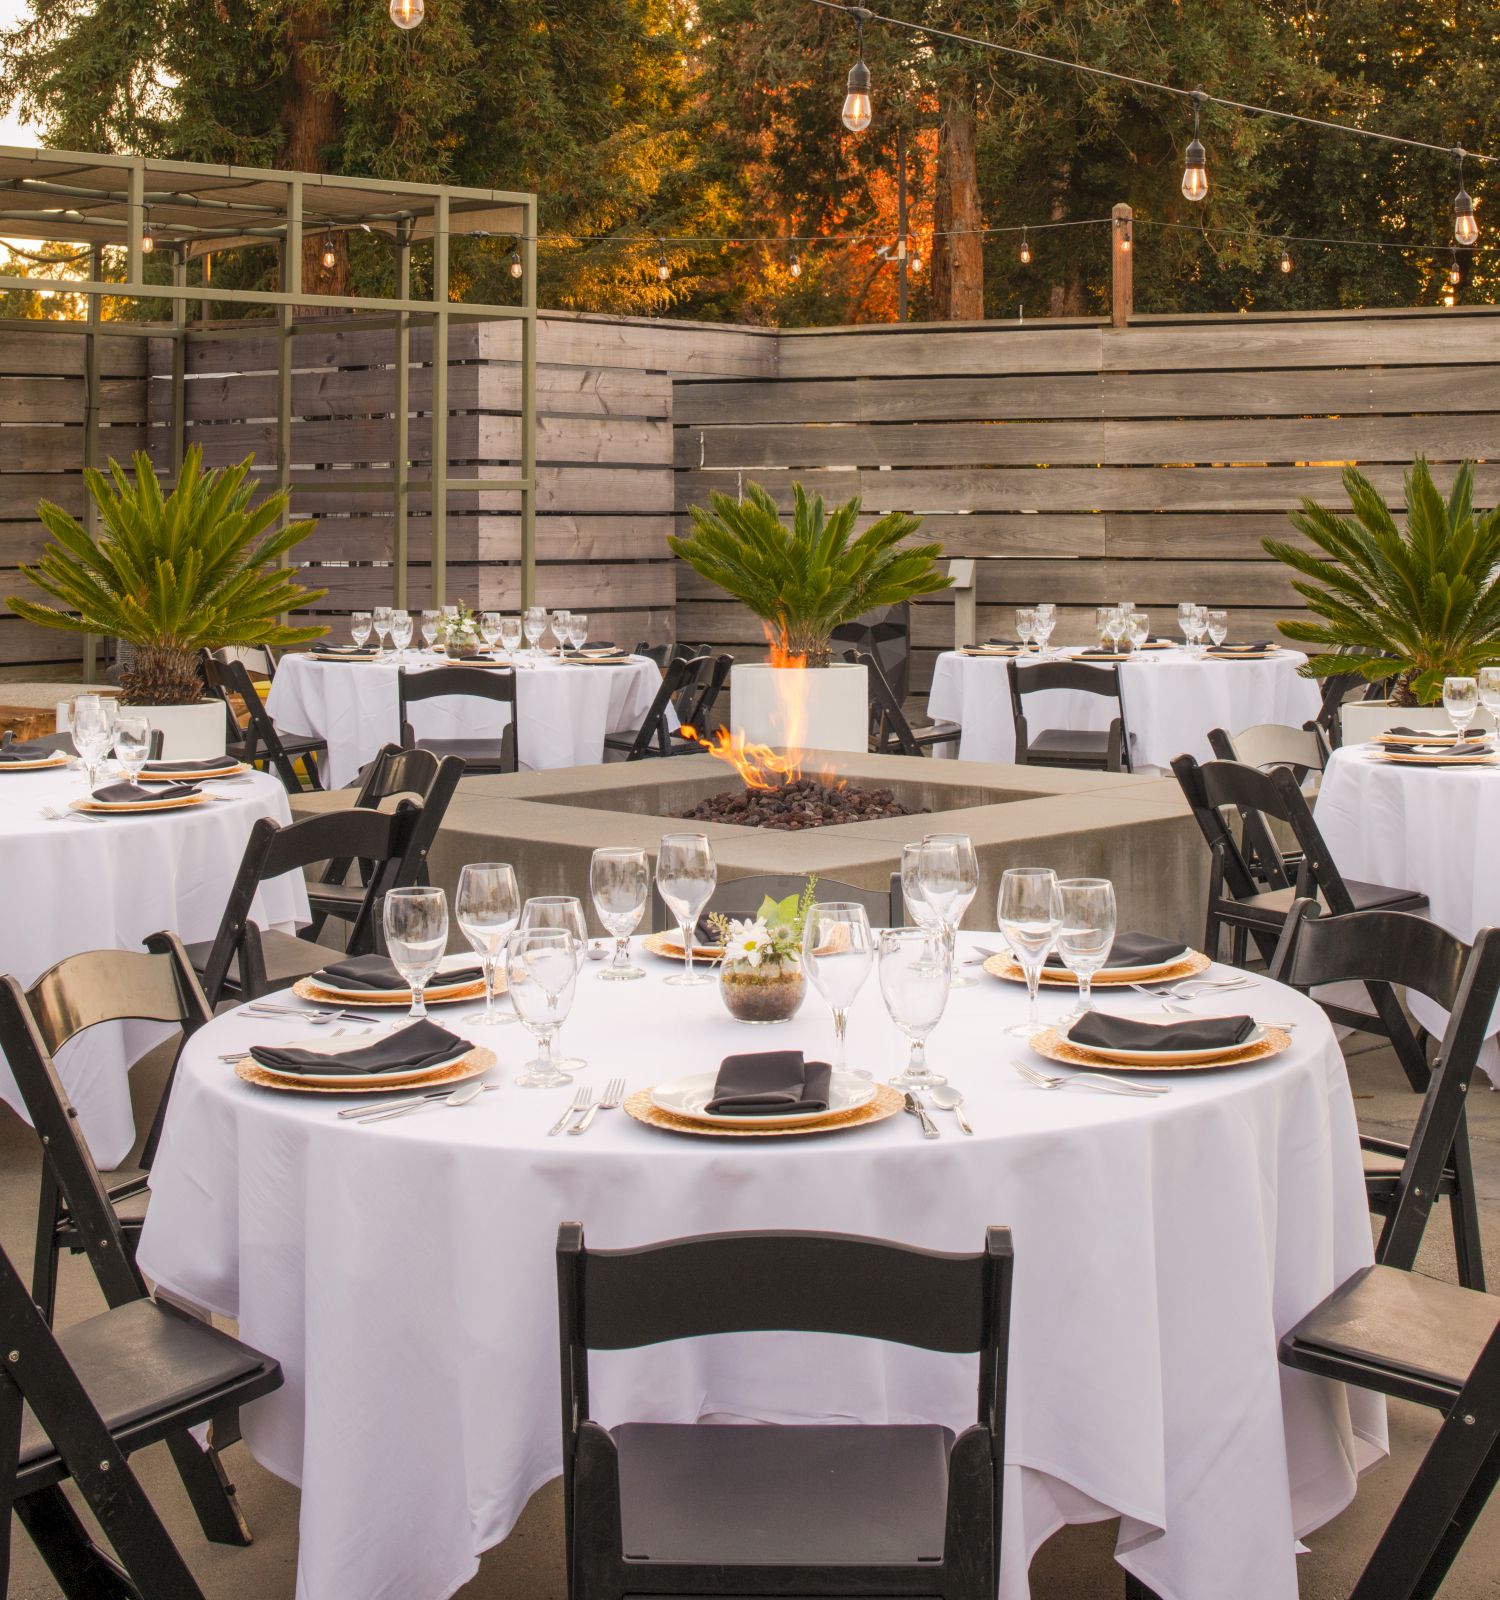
column 393, row 773
column 243, row 960
column 1337, row 688
column 890, row 732
column 1302, row 751
column 1238, row 902
column 661, row 1509
column 1394, row 947
column 1417, row 1339
column 64, row 743
column 885, row 634
column 1092, row 750
column 702, row 695
column 471, row 683
column 150, row 1373
column 742, row 897
column 654, row 737
column 81, row 992
column 260, row 742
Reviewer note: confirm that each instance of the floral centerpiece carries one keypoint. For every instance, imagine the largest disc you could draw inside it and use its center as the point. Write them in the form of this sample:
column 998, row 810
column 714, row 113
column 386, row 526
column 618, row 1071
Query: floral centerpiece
column 460, row 633
column 761, row 977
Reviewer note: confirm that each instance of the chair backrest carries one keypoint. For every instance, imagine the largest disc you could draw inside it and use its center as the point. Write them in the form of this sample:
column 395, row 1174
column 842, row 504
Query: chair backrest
column 890, row 732
column 225, row 675
column 259, row 659
column 1102, row 679
column 476, row 683
column 713, row 673
column 1337, row 688
column 884, row 633
column 742, row 897
column 1273, row 744
column 681, row 672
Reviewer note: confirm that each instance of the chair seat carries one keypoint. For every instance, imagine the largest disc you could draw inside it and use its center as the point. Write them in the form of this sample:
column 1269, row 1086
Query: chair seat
column 1076, row 744
column 1272, row 905
column 758, row 1496
column 140, row 1363
column 286, row 956
column 1401, row 1324
column 1381, row 1166
column 477, row 755
column 937, row 733
column 339, row 899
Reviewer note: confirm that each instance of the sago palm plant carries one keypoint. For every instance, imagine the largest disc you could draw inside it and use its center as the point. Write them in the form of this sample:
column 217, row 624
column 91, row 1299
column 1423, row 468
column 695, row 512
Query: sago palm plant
column 805, row 580
column 171, row 574
column 1414, row 605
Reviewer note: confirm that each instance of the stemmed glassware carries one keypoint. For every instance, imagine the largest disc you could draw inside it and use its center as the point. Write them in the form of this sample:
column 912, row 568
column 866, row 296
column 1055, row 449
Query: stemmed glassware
column 132, row 736
column 1101, row 623
column 1025, row 626
column 542, row 969
column 487, row 905
column 1200, row 627
column 432, row 621
column 1488, row 679
column 1085, row 935
column 534, row 625
column 1185, row 610
column 1029, row 912
column 947, row 872
column 1115, row 624
column 401, row 632
column 1218, row 627
column 914, row 976
column 685, row 877
column 381, row 617
column 1046, row 621
column 510, row 635
column 1140, row 629
column 559, row 625
column 620, row 882
column 91, row 727
column 359, row 628
column 416, row 934
column 563, row 912
column 838, row 951
column 489, row 628
column 1461, row 702
column 578, row 629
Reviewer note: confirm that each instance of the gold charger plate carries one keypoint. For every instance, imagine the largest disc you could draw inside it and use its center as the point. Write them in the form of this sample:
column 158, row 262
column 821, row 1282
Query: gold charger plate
column 992, row 650
column 887, row 1103
column 124, row 808
column 41, row 764
column 1410, row 758
column 434, row 994
column 343, row 655
column 669, row 947
column 231, row 769
column 477, row 1061
column 1239, row 655
column 1398, row 741
column 1169, row 972
column 1051, row 1044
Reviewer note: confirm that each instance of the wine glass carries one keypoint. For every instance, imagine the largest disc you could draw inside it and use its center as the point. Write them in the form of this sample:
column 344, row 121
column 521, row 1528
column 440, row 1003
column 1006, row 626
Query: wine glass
column 1185, row 610
column 1025, row 626
column 1029, row 911
column 1101, row 623
column 400, row 632
column 838, row 951
column 542, row 969
column 487, row 904
column 1114, row 626
column 1218, row 627
column 1461, row 702
column 1140, row 629
column 432, row 625
column 416, row 934
column 914, row 975
column 90, row 731
column 620, row 882
column 559, row 625
column 685, row 877
column 1489, row 692
column 510, row 634
column 382, row 620
column 564, row 912
column 1046, row 621
column 948, row 875
column 359, row 627
column 534, row 625
column 132, row 736
column 578, row 629
column 1200, row 627
column 1085, row 934
column 489, row 628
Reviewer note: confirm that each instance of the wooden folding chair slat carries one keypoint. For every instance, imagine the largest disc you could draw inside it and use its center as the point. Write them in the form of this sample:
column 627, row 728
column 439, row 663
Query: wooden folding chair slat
column 1090, row 749
column 654, row 736
column 480, row 754
column 225, row 676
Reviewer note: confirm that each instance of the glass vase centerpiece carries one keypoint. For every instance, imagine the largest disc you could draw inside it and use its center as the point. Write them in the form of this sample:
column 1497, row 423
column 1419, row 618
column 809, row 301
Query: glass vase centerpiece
column 761, row 977
column 460, row 634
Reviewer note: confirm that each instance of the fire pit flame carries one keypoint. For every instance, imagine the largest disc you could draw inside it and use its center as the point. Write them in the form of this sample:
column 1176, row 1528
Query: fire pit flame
column 758, row 765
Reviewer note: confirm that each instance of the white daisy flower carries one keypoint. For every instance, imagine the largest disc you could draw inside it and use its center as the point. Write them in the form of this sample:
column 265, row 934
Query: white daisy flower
column 748, row 942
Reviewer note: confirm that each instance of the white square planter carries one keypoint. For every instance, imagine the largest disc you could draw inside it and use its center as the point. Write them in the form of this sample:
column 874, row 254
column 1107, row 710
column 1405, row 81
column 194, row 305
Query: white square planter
column 188, row 732
column 835, row 701
column 1360, row 720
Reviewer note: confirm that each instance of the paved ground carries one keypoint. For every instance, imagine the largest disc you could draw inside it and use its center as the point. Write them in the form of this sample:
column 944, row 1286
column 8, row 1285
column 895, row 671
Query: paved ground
column 1075, row 1565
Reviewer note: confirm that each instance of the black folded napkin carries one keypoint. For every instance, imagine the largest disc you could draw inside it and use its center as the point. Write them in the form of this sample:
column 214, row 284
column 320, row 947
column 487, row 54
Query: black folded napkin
column 119, row 793
column 770, row 1084
column 379, row 972
column 1446, row 748
column 423, row 1044
column 1104, row 650
column 1245, row 644
column 189, row 768
column 1099, row 1031
column 323, row 648
column 1134, row 950
column 1436, row 736
column 1013, row 644
column 27, row 750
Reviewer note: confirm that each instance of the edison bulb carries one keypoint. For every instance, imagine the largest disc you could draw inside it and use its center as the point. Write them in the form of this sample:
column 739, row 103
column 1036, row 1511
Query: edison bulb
column 1195, row 173
column 406, row 14
column 857, row 108
column 1455, row 275
column 915, row 264
column 1465, row 223
column 330, row 256
column 795, row 268
column 664, row 268
column 148, row 239
column 515, row 267
column 1025, row 254
column 1286, row 259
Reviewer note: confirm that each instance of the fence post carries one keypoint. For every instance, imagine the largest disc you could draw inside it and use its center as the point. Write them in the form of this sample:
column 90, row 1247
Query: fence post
column 965, row 598
column 1121, row 258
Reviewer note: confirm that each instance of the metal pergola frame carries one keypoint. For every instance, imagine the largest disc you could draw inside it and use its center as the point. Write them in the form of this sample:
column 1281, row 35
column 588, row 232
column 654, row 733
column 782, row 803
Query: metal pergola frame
column 196, row 209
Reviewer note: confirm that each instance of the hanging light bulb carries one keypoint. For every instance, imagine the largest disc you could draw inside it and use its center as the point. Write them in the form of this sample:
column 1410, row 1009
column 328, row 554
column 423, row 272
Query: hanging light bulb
column 794, row 266
column 1195, row 170
column 330, row 255
column 1025, row 249
column 1465, row 224
column 663, row 267
column 406, row 14
column 1286, row 257
column 1455, row 272
column 915, row 263
column 857, row 107
column 514, row 266
column 1127, row 237
column 148, row 239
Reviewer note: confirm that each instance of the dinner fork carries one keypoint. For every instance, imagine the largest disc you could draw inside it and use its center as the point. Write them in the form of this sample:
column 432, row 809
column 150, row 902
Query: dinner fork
column 52, row 814
column 581, row 1102
column 1178, row 991
column 611, row 1100
column 1088, row 1080
column 1182, row 1011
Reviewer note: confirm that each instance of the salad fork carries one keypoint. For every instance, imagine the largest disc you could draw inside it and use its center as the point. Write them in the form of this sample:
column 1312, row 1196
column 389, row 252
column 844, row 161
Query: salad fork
column 1088, row 1080
column 581, row 1102
column 611, row 1100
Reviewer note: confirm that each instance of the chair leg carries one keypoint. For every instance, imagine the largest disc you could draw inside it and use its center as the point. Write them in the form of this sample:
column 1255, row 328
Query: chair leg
column 210, row 1489
column 1397, row 1029
column 1459, row 1524
column 1136, row 1590
column 1239, row 946
column 83, row 1571
column 1464, row 1210
column 44, row 1262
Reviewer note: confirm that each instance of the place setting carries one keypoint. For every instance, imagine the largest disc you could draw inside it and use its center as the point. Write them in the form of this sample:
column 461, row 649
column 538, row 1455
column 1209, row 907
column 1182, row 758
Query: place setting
column 1415, row 747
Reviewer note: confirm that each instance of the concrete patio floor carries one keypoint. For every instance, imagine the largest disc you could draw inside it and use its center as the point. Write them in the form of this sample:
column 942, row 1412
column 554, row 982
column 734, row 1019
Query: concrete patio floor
column 1076, row 1564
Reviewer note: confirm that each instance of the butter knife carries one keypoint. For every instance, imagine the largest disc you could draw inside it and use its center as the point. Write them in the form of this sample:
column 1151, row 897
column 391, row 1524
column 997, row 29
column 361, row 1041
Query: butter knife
column 919, row 1111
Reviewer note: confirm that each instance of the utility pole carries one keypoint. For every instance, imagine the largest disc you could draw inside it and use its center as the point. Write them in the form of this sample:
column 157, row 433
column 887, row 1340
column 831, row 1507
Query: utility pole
column 901, row 241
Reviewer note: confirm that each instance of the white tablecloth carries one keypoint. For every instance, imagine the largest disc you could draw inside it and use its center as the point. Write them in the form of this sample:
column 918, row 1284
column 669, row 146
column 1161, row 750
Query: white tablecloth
column 82, row 885
column 1171, row 701
column 403, row 1274
column 1413, row 828
column 564, row 710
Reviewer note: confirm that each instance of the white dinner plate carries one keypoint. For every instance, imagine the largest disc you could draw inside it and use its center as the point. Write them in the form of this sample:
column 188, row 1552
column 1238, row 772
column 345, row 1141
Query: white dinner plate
column 1171, row 1058
column 687, row 1097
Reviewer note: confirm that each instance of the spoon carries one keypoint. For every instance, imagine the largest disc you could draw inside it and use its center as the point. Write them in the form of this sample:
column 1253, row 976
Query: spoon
column 946, row 1098
column 597, row 952
column 459, row 1097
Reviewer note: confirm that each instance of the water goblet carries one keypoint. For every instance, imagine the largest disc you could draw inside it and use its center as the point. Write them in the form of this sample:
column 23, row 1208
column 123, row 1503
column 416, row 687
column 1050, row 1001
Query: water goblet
column 432, row 626
column 685, row 877
column 1461, row 702
column 542, row 973
column 1488, row 679
column 382, row 620
column 359, row 627
column 1140, row 630
column 1025, row 626
column 1029, row 912
column 1218, row 627
column 1200, row 627
column 918, row 913
column 558, row 622
column 416, row 934
column 914, row 977
column 489, row 628
column 838, row 951
column 948, row 873
column 1185, row 610
column 91, row 733
column 565, row 912
column 1101, row 623
column 400, row 632
column 578, row 629
column 534, row 625
column 620, row 882
column 1085, row 935
column 1115, row 625
column 510, row 634
column 1046, row 621
column 132, row 738
column 487, row 904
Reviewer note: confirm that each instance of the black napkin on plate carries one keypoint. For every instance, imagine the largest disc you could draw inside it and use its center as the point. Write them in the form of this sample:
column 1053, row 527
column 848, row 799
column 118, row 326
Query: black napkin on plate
column 323, row 648
column 1239, row 645
column 1446, row 748
column 1103, row 650
column 770, row 1083
column 1134, row 950
column 379, row 972
column 1100, row 1031
column 188, row 769
column 27, row 750
column 423, row 1044
column 1010, row 644
column 119, row 793
column 1436, row 736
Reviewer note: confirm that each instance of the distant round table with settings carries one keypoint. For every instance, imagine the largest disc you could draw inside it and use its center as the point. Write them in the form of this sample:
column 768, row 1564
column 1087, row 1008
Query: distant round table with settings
column 76, row 883
column 564, row 709
column 403, row 1273
column 1171, row 701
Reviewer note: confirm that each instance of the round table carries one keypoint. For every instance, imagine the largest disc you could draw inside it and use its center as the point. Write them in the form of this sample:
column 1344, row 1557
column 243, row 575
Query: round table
column 403, row 1273
column 1422, row 828
column 564, row 709
column 86, row 884
column 1171, row 701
